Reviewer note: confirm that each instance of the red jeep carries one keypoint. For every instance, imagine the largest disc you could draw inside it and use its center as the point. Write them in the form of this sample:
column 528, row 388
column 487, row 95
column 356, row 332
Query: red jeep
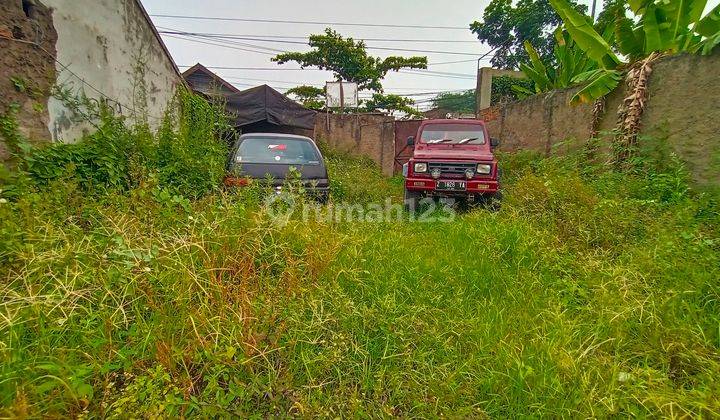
column 453, row 159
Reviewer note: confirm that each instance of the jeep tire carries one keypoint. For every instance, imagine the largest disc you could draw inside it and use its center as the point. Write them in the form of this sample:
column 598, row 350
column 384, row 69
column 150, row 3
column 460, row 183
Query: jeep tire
column 412, row 200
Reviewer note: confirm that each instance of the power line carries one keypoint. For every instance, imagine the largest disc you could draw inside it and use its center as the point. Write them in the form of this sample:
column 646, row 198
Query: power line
column 421, row 73
column 227, row 44
column 263, row 37
column 456, row 62
column 220, row 45
column 83, row 81
column 225, row 38
column 306, row 22
column 440, row 74
column 293, row 84
column 323, row 84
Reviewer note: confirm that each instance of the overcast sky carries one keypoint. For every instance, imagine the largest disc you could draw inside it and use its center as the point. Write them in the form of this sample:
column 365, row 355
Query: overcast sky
column 456, row 13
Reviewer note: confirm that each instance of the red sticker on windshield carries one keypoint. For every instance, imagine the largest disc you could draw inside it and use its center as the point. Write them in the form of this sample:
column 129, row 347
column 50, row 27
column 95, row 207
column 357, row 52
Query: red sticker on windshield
column 277, row 146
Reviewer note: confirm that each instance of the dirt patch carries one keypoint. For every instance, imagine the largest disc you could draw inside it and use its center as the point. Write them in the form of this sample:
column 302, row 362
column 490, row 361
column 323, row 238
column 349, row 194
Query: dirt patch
column 27, row 73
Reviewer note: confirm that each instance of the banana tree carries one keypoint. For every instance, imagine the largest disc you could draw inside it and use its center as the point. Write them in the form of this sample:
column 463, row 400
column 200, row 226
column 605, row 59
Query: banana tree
column 659, row 26
column 571, row 61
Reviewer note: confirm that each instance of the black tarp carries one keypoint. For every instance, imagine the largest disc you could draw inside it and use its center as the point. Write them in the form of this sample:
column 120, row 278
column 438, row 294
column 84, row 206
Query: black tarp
column 263, row 103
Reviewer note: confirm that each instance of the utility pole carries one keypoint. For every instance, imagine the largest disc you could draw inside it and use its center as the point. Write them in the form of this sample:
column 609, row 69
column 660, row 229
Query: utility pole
column 342, row 98
column 594, row 3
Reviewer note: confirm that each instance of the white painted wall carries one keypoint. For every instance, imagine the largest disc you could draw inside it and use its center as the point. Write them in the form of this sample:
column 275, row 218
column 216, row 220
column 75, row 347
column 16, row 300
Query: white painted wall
column 101, row 42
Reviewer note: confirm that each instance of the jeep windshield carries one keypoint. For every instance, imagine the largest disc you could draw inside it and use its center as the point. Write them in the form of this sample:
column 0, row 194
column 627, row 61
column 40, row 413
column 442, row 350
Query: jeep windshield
column 277, row 150
column 452, row 134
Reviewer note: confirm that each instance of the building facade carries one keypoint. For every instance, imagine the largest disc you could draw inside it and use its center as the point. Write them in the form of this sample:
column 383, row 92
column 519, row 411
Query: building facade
column 56, row 51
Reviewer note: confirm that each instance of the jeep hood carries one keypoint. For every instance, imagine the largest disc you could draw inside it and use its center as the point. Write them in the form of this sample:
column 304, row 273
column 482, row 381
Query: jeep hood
column 454, row 153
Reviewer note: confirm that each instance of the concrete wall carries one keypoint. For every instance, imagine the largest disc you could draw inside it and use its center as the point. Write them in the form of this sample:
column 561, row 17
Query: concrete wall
column 102, row 42
column 371, row 135
column 27, row 71
column 102, row 48
column 483, row 89
column 682, row 115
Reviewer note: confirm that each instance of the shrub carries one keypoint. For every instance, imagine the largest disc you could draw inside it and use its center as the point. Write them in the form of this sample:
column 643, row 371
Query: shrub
column 192, row 154
column 188, row 152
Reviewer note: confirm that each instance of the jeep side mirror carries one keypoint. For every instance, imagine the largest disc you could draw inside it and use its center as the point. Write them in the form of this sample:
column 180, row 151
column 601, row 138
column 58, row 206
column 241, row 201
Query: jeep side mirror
column 411, row 141
column 494, row 142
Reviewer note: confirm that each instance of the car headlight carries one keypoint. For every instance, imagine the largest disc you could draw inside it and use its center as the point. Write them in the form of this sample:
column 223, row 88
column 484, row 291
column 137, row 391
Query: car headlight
column 484, row 168
column 420, row 167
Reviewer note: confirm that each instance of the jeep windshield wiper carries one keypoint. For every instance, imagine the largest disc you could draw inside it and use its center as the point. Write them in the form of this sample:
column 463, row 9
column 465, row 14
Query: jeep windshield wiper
column 467, row 140
column 436, row 141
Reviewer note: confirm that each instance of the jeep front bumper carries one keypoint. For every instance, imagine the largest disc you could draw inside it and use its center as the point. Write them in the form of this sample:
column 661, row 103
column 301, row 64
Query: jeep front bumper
column 473, row 186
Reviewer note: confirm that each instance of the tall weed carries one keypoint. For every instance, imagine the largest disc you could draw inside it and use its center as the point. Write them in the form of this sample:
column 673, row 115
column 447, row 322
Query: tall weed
column 587, row 295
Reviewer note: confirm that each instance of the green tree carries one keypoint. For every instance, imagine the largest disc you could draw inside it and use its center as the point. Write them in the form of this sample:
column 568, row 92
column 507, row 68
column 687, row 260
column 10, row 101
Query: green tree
column 349, row 60
column 506, row 27
column 391, row 104
column 456, row 101
column 610, row 11
column 309, row 96
column 505, row 89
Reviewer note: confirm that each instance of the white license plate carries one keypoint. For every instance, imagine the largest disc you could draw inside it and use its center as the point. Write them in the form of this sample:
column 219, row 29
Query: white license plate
column 451, row 185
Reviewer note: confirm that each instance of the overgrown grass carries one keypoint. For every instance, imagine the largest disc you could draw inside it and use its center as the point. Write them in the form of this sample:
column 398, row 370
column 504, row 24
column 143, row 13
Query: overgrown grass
column 589, row 294
column 358, row 179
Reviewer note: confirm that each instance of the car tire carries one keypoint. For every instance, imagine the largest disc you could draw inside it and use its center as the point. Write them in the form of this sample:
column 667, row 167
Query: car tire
column 493, row 201
column 322, row 197
column 411, row 200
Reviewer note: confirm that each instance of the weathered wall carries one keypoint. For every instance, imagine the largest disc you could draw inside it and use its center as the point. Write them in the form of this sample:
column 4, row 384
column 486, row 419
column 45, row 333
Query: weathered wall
column 106, row 49
column 102, row 42
column 371, row 135
column 682, row 115
column 26, row 71
column 483, row 88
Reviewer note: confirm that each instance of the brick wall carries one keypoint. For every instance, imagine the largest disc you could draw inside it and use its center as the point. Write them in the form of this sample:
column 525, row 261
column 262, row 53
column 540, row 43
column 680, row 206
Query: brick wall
column 371, row 135
column 682, row 115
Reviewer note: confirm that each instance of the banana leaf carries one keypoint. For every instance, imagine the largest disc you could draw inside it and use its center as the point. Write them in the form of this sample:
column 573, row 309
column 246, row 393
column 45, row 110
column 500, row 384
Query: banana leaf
column 535, row 58
column 680, row 14
column 521, row 92
column 629, row 42
column 638, row 5
column 584, row 35
column 541, row 81
column 709, row 25
column 599, row 83
column 653, row 40
column 710, row 43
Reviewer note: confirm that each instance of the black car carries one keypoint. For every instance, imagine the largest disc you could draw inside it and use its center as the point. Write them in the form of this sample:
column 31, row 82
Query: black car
column 270, row 157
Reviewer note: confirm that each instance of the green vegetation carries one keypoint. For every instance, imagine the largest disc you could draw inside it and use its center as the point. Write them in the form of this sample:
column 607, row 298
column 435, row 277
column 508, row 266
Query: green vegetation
column 350, row 62
column 658, row 27
column 571, row 61
column 590, row 293
column 503, row 90
column 310, row 97
column 507, row 25
column 390, row 104
column 457, row 101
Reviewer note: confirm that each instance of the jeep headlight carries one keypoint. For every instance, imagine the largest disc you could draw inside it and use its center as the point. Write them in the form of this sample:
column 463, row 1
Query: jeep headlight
column 484, row 168
column 420, row 167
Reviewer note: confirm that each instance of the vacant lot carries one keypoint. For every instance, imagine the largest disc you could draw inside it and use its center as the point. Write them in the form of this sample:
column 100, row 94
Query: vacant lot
column 590, row 293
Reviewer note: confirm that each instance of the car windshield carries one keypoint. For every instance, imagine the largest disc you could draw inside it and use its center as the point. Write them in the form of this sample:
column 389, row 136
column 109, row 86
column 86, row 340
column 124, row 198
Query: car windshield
column 452, row 134
column 279, row 150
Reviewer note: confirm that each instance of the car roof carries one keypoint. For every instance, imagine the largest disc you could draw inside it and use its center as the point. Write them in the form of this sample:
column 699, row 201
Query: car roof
column 454, row 121
column 276, row 135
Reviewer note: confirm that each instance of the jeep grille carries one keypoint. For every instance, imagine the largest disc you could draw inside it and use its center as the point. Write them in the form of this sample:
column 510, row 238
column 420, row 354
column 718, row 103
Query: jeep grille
column 451, row 170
